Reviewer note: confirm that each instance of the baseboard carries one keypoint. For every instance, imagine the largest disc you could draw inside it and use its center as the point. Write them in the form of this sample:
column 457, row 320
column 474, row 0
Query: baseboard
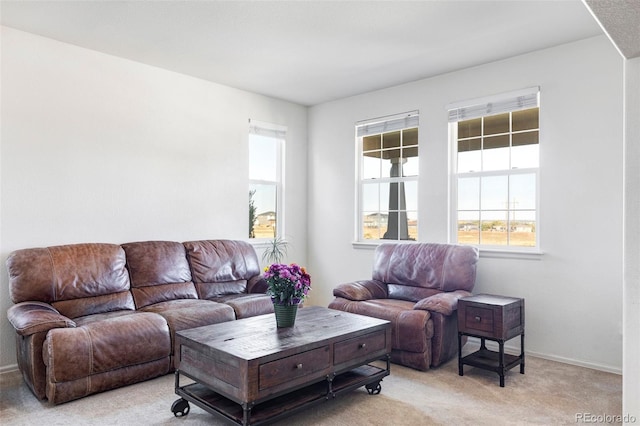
column 577, row 362
column 515, row 350
column 6, row 369
column 474, row 341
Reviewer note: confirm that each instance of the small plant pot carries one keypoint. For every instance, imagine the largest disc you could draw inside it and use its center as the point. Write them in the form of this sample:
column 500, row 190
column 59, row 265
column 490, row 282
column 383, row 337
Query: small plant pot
column 285, row 315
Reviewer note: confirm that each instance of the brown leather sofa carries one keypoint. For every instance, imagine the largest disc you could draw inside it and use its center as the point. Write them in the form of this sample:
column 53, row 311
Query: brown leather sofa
column 93, row 317
column 416, row 287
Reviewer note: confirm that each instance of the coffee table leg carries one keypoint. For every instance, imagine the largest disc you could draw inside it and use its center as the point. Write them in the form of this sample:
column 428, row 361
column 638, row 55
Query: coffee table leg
column 460, row 372
column 522, row 353
column 246, row 412
column 501, row 362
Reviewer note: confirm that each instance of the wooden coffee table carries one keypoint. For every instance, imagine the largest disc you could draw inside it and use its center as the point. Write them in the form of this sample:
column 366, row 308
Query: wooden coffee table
column 249, row 371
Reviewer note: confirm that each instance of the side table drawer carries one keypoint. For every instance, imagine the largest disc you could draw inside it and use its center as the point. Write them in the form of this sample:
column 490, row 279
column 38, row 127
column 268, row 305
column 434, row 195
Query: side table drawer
column 359, row 347
column 491, row 316
column 284, row 370
column 478, row 319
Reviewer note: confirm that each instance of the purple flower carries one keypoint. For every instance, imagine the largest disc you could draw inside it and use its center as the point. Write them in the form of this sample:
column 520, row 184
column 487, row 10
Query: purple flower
column 287, row 284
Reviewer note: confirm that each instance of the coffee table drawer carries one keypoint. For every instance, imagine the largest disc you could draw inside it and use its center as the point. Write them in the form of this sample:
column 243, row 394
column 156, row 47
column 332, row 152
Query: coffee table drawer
column 287, row 369
column 359, row 347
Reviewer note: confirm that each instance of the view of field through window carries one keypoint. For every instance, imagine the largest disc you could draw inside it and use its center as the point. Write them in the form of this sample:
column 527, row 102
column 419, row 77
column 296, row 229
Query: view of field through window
column 389, row 186
column 495, row 234
column 375, row 227
column 264, row 183
column 497, row 163
column 263, row 215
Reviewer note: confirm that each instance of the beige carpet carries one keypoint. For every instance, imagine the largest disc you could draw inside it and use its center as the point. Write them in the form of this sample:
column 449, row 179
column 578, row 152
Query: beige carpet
column 550, row 393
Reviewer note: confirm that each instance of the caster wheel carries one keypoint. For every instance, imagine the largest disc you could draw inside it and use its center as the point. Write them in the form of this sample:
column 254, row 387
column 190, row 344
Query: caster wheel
column 180, row 407
column 374, row 388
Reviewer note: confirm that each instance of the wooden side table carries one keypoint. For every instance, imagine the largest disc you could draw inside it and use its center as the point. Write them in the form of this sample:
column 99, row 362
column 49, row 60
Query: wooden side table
column 496, row 318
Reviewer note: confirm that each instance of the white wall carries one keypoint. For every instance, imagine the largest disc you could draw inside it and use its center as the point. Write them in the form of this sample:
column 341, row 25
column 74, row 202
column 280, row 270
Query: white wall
column 573, row 294
column 97, row 148
column 100, row 149
column 631, row 292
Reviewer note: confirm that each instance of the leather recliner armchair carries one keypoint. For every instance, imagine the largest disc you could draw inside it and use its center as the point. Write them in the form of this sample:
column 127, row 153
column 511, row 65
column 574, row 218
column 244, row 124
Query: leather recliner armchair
column 416, row 287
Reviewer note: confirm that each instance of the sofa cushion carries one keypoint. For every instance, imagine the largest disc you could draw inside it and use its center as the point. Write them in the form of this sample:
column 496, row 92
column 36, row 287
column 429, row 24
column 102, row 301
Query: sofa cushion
column 75, row 308
column 105, row 342
column 247, row 305
column 183, row 314
column 443, row 267
column 106, row 351
column 410, row 329
column 159, row 272
column 212, row 290
column 77, row 279
column 221, row 267
column 410, row 293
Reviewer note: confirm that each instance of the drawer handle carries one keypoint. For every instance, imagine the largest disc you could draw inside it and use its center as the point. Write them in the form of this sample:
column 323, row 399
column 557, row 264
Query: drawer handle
column 362, row 346
column 478, row 319
column 299, row 366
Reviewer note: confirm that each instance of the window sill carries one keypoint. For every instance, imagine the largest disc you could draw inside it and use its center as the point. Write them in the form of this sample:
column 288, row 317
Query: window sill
column 365, row 245
column 510, row 254
column 371, row 245
column 262, row 242
column 489, row 253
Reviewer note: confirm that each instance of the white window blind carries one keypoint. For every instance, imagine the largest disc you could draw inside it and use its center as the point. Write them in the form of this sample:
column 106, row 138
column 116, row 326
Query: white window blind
column 512, row 101
column 387, row 124
column 267, row 129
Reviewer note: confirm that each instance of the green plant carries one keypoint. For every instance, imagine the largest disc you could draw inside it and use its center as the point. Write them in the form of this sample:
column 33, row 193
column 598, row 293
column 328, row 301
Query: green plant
column 275, row 251
column 252, row 214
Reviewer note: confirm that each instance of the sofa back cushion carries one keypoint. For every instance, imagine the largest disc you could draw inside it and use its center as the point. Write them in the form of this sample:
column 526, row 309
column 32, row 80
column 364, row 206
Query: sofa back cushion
column 77, row 279
column 159, row 272
column 410, row 293
column 221, row 267
column 416, row 271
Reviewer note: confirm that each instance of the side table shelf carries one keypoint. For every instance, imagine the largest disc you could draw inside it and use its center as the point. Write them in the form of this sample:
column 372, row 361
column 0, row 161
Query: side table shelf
column 495, row 318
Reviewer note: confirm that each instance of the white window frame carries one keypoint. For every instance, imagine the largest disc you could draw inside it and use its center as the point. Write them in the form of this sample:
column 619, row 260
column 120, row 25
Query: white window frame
column 279, row 133
column 381, row 125
column 484, row 107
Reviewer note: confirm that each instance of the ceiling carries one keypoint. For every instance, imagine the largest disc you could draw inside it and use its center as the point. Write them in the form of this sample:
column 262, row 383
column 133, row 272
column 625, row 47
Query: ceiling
column 621, row 21
column 307, row 52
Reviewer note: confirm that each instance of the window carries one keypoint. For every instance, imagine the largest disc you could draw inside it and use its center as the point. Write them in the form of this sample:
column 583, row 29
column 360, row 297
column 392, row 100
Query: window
column 388, row 178
column 266, row 148
column 496, row 161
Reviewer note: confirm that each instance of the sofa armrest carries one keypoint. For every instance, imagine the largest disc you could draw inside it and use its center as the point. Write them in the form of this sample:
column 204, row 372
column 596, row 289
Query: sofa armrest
column 257, row 284
column 33, row 317
column 445, row 303
column 361, row 290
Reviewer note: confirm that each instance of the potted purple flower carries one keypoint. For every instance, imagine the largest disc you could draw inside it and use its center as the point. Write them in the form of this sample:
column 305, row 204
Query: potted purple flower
column 288, row 286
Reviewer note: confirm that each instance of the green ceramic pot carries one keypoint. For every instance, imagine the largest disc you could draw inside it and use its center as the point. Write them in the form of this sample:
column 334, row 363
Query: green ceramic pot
column 285, row 315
